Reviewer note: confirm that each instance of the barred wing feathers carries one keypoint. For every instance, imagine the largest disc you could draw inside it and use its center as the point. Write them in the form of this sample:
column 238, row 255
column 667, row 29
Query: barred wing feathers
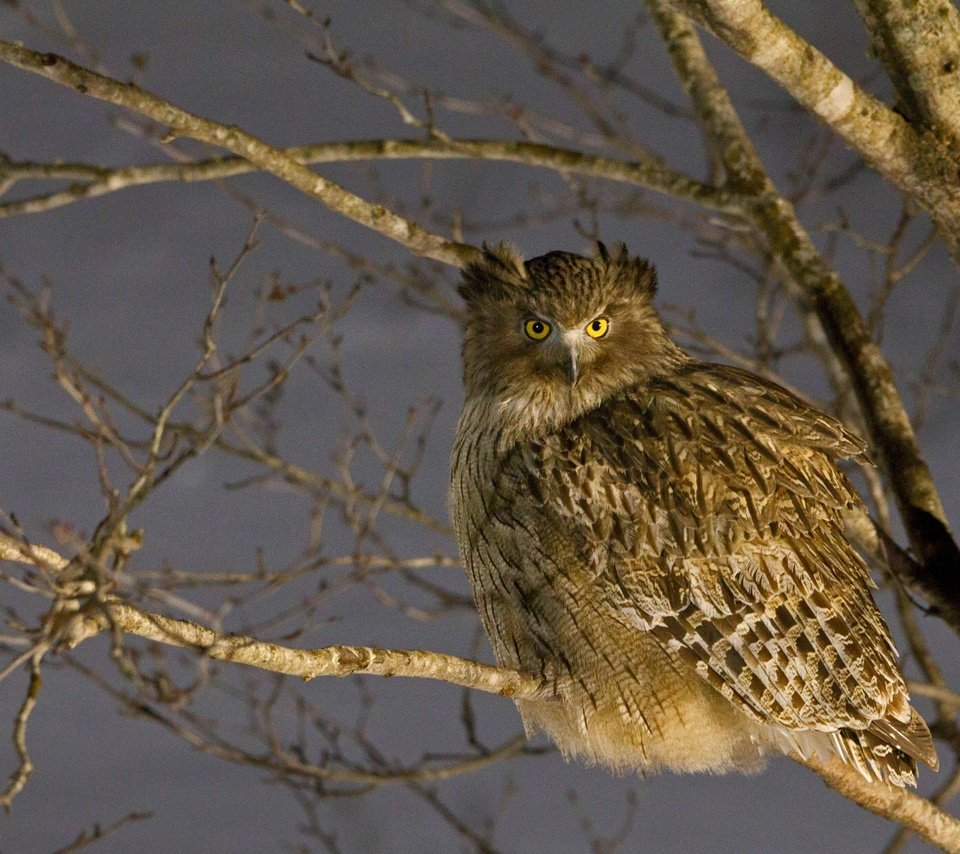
column 709, row 508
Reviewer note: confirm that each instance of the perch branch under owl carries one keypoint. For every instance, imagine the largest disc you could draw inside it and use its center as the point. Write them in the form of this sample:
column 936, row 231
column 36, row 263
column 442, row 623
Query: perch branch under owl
column 77, row 625
column 913, row 811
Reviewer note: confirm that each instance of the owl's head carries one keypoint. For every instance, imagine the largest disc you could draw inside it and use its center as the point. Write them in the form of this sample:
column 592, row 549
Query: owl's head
column 551, row 338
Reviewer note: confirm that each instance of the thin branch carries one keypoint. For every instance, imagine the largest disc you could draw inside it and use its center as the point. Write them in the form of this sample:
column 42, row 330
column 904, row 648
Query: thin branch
column 19, row 777
column 935, row 692
column 273, row 160
column 91, row 837
column 36, row 555
column 305, row 663
column 188, row 578
column 299, row 475
column 328, row 661
column 430, row 796
column 102, row 180
column 285, row 764
column 912, row 811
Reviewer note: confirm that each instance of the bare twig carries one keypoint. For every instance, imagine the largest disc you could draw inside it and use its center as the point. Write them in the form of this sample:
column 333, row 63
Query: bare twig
column 273, row 160
column 19, row 777
column 98, row 832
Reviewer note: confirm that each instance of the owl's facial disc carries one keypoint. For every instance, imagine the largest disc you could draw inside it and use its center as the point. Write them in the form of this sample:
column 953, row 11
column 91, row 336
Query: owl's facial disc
column 565, row 346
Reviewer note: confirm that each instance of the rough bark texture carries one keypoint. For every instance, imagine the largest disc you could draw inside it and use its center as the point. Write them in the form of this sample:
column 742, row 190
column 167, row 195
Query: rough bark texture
column 919, row 45
column 870, row 374
column 337, row 660
column 918, row 161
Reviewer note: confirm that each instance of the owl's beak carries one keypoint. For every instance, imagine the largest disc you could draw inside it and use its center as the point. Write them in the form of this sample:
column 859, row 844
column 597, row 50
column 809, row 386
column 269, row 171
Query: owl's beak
column 571, row 366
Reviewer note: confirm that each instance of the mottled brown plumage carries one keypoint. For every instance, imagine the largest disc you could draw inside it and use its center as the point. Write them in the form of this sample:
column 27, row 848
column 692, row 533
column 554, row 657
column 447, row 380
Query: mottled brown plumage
column 663, row 537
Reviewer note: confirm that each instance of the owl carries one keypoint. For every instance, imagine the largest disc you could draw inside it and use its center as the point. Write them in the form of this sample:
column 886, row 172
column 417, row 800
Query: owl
column 661, row 539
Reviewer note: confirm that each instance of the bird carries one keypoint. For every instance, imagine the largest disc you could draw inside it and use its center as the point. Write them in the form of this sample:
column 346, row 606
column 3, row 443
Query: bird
column 661, row 539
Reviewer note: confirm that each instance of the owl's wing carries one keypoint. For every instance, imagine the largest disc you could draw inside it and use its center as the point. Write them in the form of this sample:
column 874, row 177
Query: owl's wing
column 710, row 508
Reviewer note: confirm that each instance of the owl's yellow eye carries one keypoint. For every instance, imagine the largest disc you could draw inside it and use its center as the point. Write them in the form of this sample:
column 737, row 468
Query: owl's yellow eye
column 536, row 329
column 598, row 328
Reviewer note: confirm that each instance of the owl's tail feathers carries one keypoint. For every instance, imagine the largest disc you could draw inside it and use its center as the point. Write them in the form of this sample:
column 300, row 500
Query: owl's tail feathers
column 888, row 750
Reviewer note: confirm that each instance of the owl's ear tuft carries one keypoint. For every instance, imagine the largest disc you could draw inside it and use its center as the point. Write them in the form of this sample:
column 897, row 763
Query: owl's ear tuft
column 498, row 272
column 635, row 275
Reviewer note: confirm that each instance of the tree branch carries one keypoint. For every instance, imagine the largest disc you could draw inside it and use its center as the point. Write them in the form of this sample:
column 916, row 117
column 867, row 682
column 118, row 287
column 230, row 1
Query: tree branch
column 273, row 160
column 917, row 44
column 337, row 660
column 20, row 777
column 102, row 180
column 306, row 663
column 886, row 416
column 909, row 809
column 917, row 162
column 867, row 125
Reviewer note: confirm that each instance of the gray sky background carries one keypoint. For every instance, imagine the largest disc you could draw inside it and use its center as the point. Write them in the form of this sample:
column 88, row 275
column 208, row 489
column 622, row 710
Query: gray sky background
column 129, row 272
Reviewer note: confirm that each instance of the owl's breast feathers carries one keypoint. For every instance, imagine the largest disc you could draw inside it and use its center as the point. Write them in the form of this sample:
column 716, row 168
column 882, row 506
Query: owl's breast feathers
column 706, row 508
